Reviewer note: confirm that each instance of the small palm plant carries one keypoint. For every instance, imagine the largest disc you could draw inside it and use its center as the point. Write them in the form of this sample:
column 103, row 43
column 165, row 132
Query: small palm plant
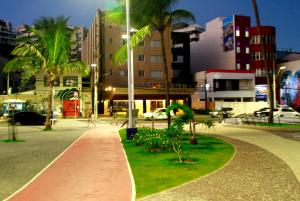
column 47, row 51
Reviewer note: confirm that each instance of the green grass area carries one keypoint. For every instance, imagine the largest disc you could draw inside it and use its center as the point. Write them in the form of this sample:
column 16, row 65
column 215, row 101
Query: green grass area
column 281, row 125
column 12, row 141
column 154, row 172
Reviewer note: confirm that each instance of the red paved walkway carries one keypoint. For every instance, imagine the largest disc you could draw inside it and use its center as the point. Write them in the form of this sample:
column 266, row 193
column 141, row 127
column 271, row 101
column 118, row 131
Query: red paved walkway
column 93, row 169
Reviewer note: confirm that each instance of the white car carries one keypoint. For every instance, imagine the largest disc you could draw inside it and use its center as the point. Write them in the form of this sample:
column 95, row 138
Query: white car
column 159, row 113
column 281, row 111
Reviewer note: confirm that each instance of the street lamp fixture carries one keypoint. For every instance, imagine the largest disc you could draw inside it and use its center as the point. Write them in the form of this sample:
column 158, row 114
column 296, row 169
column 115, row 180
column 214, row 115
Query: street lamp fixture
column 94, row 66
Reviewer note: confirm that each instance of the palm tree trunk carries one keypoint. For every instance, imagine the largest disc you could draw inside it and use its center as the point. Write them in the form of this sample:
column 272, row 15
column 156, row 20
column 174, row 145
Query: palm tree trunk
column 167, row 84
column 269, row 83
column 48, row 121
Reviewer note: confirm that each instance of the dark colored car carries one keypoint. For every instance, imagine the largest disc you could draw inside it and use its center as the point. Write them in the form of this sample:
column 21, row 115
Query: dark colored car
column 27, row 118
column 224, row 112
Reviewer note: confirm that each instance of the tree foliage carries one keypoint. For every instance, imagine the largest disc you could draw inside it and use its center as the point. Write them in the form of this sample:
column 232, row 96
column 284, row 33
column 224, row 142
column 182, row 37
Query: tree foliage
column 47, row 50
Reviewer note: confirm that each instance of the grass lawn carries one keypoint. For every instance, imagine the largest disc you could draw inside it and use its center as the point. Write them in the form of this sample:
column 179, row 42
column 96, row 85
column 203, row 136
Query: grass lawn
column 154, row 172
column 281, row 125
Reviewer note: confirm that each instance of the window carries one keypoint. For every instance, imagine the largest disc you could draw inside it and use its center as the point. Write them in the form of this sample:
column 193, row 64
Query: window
column 110, row 56
column 246, row 33
column 156, row 58
column 237, row 31
column 141, row 73
column 123, row 41
column 124, row 73
column 238, row 66
column 238, row 49
column 156, row 74
column 70, row 81
column 155, row 43
column 141, row 57
column 247, row 50
column 247, row 66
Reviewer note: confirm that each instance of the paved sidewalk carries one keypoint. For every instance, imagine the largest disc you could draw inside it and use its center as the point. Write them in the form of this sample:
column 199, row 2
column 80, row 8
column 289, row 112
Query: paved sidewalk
column 286, row 149
column 93, row 168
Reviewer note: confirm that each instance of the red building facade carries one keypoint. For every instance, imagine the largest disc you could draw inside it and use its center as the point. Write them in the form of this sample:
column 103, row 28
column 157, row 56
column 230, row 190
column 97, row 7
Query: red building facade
column 263, row 38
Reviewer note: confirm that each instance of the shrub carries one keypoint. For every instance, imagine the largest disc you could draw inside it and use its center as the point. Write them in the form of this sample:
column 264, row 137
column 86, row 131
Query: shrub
column 153, row 140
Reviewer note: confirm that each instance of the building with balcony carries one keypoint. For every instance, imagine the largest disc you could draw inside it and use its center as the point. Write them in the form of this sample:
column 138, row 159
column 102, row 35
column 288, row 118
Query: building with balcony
column 223, row 85
column 100, row 44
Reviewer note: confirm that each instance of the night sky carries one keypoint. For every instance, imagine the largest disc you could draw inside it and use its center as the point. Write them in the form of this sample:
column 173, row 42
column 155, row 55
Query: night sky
column 283, row 14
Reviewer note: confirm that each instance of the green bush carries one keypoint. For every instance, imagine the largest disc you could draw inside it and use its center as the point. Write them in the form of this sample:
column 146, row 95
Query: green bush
column 153, row 140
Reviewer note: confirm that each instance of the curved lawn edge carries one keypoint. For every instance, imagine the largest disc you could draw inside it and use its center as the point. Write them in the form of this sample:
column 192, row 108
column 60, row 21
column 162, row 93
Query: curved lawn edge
column 204, row 176
column 157, row 172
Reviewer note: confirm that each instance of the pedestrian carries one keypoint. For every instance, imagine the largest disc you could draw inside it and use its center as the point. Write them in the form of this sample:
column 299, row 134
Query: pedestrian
column 91, row 119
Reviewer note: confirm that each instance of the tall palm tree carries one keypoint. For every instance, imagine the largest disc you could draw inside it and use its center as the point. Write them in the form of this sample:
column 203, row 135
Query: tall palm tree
column 148, row 16
column 48, row 51
column 266, row 67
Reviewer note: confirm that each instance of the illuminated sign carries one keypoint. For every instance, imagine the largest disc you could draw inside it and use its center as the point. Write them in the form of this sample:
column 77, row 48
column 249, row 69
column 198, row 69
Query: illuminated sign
column 261, row 92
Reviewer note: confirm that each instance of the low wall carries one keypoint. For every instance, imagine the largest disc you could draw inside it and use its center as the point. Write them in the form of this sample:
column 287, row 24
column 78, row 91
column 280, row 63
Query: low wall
column 242, row 107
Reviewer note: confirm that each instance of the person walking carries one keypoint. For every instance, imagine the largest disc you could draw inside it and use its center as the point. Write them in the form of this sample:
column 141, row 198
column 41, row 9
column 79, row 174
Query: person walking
column 91, row 119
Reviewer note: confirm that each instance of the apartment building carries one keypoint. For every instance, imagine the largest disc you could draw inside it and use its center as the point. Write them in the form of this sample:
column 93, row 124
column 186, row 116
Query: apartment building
column 100, row 44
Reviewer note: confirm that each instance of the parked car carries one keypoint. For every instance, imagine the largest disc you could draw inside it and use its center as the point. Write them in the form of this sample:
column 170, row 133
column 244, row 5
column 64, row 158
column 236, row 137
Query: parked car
column 281, row 111
column 27, row 118
column 159, row 113
column 223, row 111
column 261, row 112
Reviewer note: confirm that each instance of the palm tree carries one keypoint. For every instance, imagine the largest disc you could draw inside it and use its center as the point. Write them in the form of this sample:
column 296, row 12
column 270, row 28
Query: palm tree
column 48, row 51
column 148, row 16
column 268, row 69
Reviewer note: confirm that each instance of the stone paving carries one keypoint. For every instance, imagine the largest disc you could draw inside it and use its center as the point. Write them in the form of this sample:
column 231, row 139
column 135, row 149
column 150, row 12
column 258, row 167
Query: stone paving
column 253, row 175
column 263, row 168
column 22, row 161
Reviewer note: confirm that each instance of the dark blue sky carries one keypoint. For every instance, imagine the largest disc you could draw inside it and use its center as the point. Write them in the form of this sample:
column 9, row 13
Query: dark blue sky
column 283, row 14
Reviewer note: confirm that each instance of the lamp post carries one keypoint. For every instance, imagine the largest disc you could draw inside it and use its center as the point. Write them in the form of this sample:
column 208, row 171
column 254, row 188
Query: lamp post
column 130, row 69
column 94, row 66
column 274, row 82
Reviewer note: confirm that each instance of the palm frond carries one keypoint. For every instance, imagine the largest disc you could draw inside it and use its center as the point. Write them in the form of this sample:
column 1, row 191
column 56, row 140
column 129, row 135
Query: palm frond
column 76, row 66
column 178, row 16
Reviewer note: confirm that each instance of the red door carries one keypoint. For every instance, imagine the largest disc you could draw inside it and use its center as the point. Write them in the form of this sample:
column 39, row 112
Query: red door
column 71, row 108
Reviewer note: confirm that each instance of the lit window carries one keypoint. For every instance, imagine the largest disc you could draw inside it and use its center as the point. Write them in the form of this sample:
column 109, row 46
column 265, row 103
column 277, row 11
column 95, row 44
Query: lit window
column 247, row 66
column 156, row 58
column 70, row 81
column 238, row 66
column 237, row 32
column 156, row 74
column 124, row 73
column 238, row 49
column 247, row 33
column 155, row 43
column 247, row 50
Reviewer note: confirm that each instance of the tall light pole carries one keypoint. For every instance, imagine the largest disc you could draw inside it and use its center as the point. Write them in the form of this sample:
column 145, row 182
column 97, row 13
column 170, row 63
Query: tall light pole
column 274, row 82
column 130, row 69
column 94, row 66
